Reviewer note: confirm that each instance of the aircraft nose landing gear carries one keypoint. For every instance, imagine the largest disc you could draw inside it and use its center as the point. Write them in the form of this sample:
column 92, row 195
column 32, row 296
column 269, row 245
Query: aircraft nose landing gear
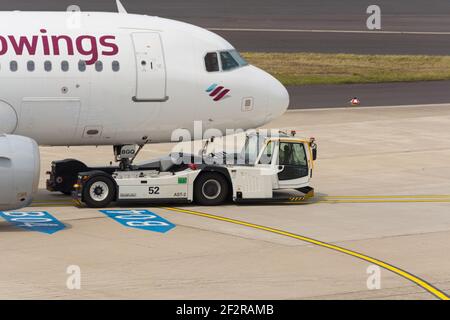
column 125, row 155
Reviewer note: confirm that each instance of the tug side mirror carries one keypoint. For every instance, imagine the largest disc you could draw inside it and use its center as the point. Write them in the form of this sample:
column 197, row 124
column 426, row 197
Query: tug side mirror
column 314, row 153
column 313, row 146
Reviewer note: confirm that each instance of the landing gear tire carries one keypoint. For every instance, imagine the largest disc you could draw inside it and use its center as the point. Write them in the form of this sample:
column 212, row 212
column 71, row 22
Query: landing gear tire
column 211, row 189
column 99, row 192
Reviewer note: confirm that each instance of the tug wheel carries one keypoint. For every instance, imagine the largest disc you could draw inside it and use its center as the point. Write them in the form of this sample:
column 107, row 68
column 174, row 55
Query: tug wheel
column 99, row 192
column 210, row 189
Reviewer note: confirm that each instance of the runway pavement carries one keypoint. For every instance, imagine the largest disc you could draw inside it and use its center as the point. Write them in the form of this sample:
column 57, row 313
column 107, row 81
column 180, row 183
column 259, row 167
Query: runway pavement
column 379, row 94
column 350, row 15
column 383, row 197
column 400, row 15
column 338, row 42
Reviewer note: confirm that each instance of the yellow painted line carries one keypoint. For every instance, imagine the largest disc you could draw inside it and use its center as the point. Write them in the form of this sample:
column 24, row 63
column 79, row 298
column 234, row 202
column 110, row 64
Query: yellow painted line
column 351, row 198
column 416, row 280
column 388, row 196
column 56, row 203
column 319, row 201
column 51, row 206
column 52, row 200
column 385, row 201
column 330, row 201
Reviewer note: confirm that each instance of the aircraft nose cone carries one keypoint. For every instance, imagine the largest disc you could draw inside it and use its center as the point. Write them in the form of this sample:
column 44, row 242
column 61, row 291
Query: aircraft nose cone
column 278, row 99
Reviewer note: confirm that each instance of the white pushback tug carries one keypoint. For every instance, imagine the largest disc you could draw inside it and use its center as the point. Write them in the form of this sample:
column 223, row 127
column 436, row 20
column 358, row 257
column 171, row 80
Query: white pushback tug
column 269, row 168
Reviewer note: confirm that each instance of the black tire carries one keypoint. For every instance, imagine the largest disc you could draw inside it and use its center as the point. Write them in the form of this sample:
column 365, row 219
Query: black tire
column 105, row 189
column 211, row 189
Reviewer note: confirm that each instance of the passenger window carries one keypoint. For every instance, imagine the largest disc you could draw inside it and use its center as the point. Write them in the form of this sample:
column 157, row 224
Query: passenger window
column 212, row 62
column 266, row 157
column 115, row 66
column 228, row 62
column 31, row 66
column 99, row 66
column 65, row 66
column 13, row 66
column 292, row 154
column 82, row 66
column 48, row 66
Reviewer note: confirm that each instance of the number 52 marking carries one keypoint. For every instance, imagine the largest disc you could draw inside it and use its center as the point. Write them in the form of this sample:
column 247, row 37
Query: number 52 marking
column 154, row 190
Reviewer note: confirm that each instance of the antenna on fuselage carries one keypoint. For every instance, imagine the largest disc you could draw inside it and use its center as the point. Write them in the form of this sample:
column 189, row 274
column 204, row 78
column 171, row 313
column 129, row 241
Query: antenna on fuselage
column 120, row 7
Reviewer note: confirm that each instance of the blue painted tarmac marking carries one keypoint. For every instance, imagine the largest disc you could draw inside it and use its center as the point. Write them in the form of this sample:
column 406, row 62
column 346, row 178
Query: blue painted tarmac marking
column 40, row 221
column 140, row 219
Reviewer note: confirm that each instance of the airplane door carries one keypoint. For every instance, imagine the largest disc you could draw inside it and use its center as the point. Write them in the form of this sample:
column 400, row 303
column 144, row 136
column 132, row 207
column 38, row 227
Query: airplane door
column 150, row 67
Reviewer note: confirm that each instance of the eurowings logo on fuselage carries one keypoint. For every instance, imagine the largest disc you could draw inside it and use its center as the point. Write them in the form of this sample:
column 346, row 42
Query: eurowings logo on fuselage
column 85, row 45
column 217, row 92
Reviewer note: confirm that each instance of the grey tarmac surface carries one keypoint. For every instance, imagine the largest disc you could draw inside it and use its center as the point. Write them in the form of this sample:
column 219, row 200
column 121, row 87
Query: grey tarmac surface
column 379, row 94
column 403, row 15
column 400, row 15
column 383, row 190
column 324, row 42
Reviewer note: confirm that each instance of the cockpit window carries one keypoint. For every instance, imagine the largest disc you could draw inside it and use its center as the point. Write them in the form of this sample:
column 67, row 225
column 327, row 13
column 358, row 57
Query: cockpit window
column 231, row 59
column 233, row 54
column 228, row 62
column 212, row 62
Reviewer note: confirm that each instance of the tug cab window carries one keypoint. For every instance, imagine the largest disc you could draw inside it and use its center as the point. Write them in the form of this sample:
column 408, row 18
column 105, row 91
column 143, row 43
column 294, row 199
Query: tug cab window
column 293, row 161
column 292, row 154
column 212, row 62
column 266, row 157
column 251, row 150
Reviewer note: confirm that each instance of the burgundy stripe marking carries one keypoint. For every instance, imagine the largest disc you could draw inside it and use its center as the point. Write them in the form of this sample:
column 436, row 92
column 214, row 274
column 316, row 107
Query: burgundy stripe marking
column 216, row 91
column 221, row 95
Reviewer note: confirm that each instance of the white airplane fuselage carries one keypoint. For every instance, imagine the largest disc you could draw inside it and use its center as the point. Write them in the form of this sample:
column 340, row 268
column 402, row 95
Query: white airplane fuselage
column 112, row 79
